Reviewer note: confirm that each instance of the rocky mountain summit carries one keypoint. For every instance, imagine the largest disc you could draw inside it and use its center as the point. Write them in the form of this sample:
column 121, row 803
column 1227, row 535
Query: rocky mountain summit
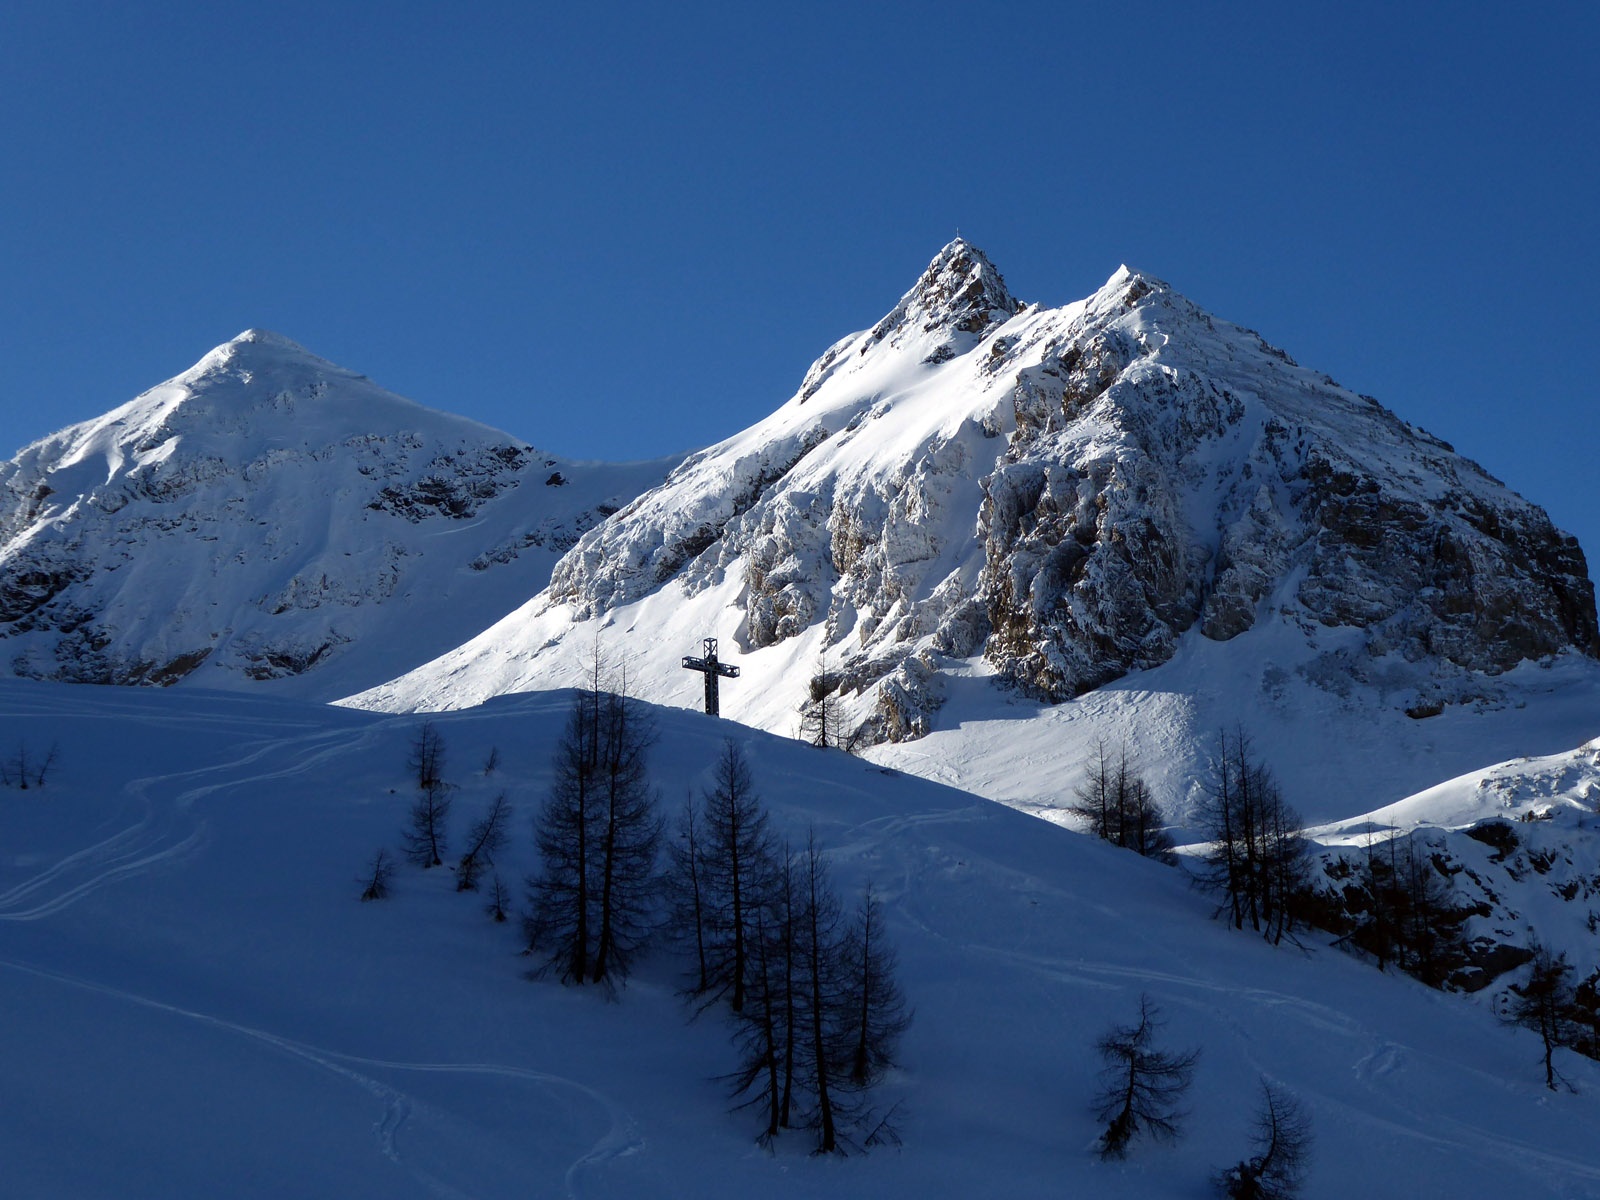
column 1059, row 496
column 267, row 514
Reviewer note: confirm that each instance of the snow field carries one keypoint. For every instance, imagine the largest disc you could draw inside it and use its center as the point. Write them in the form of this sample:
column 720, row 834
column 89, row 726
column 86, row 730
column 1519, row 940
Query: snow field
column 197, row 1004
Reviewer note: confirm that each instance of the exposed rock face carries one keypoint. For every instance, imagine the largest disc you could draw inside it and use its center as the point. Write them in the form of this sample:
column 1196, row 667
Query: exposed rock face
column 263, row 515
column 1161, row 475
column 1070, row 492
column 1451, row 576
column 960, row 293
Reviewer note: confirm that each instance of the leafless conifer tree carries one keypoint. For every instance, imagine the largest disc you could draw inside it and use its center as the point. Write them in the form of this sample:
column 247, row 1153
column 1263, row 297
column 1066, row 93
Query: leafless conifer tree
column 1141, row 1087
column 1544, row 1003
column 377, row 878
column 485, row 839
column 1282, row 1142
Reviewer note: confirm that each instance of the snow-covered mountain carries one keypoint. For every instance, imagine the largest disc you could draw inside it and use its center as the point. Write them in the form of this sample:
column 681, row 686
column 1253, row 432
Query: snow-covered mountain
column 1124, row 491
column 992, row 534
column 267, row 515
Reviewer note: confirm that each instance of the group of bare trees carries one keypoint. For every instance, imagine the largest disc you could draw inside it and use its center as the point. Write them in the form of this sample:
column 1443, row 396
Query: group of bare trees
column 810, row 991
column 824, row 723
column 1257, row 859
column 425, row 839
column 27, row 768
column 1118, row 806
column 592, row 901
column 816, row 1009
column 1142, row 1090
column 812, row 997
column 1409, row 920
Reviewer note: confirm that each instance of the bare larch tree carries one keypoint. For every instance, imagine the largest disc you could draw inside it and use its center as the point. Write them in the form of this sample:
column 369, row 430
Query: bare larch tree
column 1141, row 1086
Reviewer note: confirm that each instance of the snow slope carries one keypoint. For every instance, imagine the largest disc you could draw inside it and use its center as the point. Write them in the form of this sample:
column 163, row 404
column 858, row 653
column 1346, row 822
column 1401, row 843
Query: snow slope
column 1339, row 747
column 269, row 517
column 197, row 1005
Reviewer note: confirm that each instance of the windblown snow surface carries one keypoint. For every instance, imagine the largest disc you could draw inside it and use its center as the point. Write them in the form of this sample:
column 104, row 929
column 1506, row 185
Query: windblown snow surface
column 196, row 1003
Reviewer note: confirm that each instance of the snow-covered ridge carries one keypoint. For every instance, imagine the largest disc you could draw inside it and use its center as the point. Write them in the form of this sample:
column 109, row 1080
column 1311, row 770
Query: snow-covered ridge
column 266, row 514
column 1512, row 850
column 1057, row 497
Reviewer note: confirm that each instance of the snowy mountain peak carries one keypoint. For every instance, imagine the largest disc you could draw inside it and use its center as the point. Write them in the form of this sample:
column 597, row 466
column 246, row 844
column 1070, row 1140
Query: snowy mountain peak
column 1057, row 497
column 251, row 518
column 961, row 293
column 265, row 337
column 1127, row 288
column 255, row 351
column 260, row 388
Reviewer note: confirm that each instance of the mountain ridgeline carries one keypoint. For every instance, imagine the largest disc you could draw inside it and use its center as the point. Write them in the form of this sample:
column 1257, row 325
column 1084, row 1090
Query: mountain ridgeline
column 1054, row 496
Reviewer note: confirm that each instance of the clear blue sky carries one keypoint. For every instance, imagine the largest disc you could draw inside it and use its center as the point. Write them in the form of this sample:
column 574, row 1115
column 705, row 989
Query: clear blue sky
column 622, row 230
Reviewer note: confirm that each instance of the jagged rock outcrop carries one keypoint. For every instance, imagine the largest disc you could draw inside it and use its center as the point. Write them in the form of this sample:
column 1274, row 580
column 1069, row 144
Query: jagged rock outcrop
column 268, row 514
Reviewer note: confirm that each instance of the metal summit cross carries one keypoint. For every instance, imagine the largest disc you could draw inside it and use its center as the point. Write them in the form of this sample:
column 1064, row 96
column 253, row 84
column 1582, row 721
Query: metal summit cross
column 708, row 665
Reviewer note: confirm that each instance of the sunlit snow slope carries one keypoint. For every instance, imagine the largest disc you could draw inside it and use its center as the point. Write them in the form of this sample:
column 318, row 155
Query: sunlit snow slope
column 267, row 516
column 196, row 1004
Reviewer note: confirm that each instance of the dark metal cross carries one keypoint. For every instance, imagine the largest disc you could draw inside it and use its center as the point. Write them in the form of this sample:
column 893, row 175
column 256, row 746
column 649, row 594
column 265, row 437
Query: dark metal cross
column 708, row 665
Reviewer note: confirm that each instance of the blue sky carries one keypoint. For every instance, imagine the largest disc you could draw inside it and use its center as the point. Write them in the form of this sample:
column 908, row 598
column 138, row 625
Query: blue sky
column 622, row 230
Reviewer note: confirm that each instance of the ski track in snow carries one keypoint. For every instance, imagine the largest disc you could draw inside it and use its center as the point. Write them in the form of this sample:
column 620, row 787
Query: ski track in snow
column 149, row 842
column 133, row 850
column 137, row 849
column 621, row 1138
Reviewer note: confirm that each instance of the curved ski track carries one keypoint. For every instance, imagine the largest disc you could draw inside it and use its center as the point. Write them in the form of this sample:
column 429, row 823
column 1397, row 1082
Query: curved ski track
column 622, row 1136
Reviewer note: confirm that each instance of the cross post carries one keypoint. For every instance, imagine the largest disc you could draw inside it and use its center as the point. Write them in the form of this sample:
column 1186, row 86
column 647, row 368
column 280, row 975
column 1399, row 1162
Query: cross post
column 708, row 665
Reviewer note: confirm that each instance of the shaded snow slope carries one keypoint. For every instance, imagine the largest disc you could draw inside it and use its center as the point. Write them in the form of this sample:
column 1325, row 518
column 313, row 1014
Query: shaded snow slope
column 196, row 1003
column 1337, row 746
column 267, row 515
